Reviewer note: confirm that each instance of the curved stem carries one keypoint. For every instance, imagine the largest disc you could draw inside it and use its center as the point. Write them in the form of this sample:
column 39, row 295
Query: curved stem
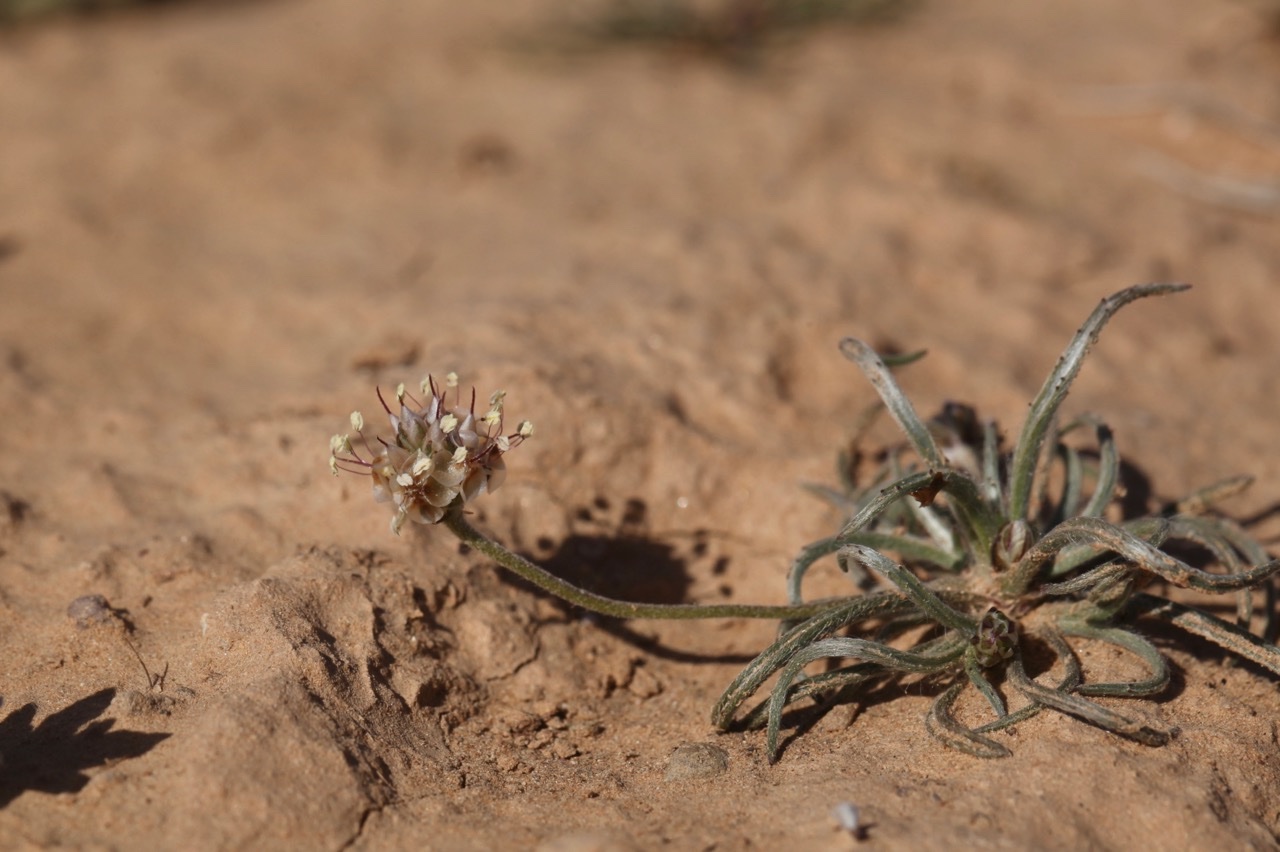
column 768, row 661
column 895, row 400
column 983, row 520
column 1070, row 680
column 548, row 582
column 1143, row 556
column 980, row 683
column 1082, row 708
column 1073, row 484
column 919, row 593
column 887, row 496
column 1201, row 500
column 1240, row 642
column 888, row 657
column 1132, row 643
column 1026, row 453
column 1104, row 489
column 943, row 726
column 839, row 686
column 909, row 547
column 1087, row 581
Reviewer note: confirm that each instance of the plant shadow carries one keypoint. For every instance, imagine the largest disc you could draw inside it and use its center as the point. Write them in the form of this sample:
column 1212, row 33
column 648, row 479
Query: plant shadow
column 54, row 756
column 624, row 560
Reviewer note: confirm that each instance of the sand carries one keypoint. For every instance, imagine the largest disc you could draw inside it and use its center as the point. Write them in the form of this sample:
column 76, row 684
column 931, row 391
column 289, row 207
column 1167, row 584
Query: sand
column 223, row 224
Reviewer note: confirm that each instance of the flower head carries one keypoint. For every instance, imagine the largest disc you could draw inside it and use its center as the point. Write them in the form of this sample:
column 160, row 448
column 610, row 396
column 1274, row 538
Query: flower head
column 995, row 639
column 439, row 452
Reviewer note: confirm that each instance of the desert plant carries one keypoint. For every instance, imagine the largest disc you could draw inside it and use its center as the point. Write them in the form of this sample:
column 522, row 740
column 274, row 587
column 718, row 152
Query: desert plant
column 1004, row 556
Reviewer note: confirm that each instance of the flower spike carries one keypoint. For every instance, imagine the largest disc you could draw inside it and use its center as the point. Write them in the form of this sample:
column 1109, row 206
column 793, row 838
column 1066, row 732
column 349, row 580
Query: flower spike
column 436, row 456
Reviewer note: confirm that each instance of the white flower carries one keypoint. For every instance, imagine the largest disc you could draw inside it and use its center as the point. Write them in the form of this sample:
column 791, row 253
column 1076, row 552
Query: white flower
column 439, row 455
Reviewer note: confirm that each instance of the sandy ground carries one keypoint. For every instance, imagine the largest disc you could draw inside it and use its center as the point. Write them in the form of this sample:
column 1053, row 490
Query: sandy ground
column 224, row 223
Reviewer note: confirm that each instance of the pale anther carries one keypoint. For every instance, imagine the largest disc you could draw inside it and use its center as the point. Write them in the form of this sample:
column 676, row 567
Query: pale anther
column 422, row 465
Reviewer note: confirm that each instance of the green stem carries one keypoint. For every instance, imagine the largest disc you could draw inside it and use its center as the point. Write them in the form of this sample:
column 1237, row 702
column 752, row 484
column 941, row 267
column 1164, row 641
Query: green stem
column 459, row 526
column 1026, row 454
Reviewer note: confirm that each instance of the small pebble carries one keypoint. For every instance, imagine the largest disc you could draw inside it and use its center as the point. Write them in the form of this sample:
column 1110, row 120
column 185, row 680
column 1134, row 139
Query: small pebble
column 696, row 761
column 88, row 610
column 644, row 684
column 564, row 750
column 849, row 819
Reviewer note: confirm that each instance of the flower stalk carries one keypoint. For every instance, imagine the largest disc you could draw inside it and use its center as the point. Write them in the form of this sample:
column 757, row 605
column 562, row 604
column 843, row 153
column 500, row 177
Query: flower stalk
column 441, row 456
column 457, row 523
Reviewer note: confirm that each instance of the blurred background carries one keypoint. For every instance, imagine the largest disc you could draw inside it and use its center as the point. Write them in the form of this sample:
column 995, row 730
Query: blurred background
column 222, row 223
column 239, row 207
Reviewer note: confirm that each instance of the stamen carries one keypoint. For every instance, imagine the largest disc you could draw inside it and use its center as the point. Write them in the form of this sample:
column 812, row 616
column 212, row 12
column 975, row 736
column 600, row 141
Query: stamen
column 423, row 465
